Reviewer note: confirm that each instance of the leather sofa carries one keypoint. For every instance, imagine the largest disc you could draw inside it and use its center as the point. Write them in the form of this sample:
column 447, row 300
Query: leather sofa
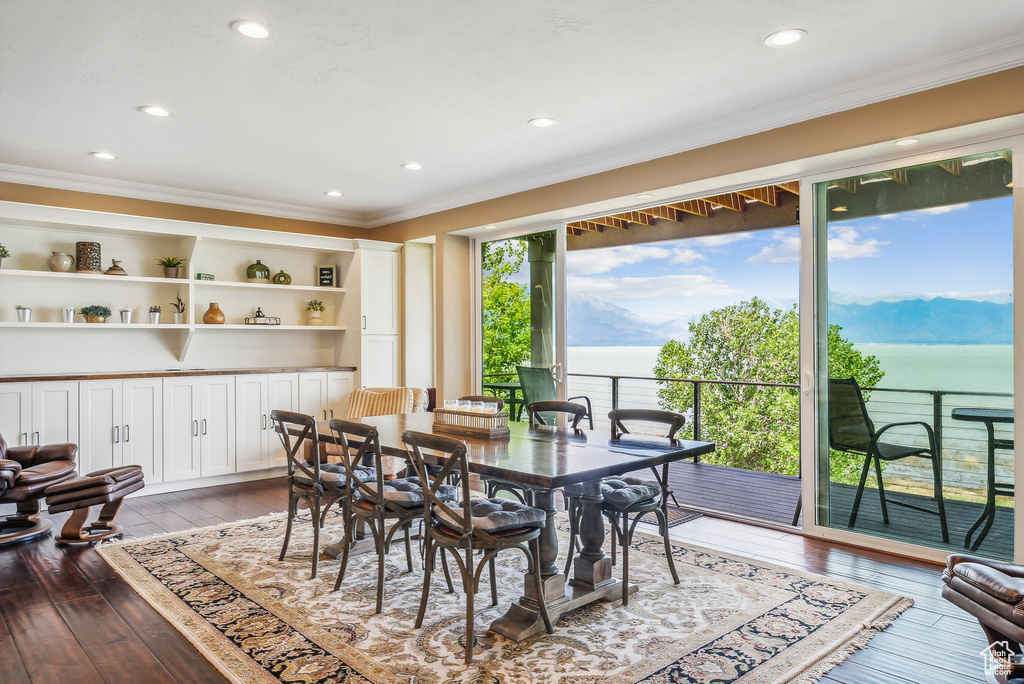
column 993, row 592
column 25, row 473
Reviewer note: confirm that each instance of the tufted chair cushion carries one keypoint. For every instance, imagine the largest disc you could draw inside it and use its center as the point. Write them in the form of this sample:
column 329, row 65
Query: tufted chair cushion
column 408, row 491
column 623, row 492
column 496, row 515
column 334, row 473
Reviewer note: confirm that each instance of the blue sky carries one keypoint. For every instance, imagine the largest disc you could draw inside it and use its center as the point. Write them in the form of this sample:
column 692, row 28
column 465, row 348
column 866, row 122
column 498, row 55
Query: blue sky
column 961, row 250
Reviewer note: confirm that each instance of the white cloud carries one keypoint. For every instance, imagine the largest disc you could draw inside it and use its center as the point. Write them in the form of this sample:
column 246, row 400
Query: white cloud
column 784, row 251
column 656, row 287
column 592, row 261
column 936, row 211
column 683, row 255
column 844, row 243
column 720, row 240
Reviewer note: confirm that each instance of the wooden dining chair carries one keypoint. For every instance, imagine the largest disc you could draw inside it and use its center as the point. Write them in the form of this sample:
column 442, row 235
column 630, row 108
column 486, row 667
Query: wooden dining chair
column 320, row 485
column 536, row 410
column 488, row 525
column 629, row 496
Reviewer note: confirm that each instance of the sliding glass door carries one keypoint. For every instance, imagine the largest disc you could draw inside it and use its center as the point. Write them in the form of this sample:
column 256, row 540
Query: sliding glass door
column 915, row 353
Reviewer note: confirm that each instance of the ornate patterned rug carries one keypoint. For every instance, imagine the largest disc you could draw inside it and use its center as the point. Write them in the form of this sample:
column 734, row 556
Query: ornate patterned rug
column 732, row 619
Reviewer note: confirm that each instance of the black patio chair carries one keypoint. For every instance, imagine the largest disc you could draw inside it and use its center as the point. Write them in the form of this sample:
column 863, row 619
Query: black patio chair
column 851, row 430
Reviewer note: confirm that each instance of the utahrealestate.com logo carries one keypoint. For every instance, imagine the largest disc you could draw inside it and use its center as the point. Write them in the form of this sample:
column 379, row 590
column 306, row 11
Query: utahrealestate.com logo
column 999, row 658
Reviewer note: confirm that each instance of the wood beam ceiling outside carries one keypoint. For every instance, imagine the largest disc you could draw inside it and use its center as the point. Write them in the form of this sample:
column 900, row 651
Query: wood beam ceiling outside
column 954, row 167
column 664, row 212
column 609, row 222
column 697, row 207
column 730, row 200
column 635, row 217
column 769, row 194
column 790, row 186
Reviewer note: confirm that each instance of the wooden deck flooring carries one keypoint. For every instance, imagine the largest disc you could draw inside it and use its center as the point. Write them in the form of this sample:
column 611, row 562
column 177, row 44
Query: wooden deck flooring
column 66, row 616
column 772, row 498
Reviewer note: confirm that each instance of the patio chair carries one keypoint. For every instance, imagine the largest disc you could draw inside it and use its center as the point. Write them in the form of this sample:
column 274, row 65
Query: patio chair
column 538, row 385
column 851, row 430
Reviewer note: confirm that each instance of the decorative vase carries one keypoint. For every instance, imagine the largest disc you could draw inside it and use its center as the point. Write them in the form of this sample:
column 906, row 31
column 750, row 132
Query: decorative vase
column 115, row 269
column 213, row 315
column 60, row 262
column 282, row 278
column 315, row 318
column 258, row 273
column 154, row 317
column 24, row 315
column 87, row 254
column 67, row 314
column 93, row 318
column 171, row 271
column 126, row 316
column 178, row 317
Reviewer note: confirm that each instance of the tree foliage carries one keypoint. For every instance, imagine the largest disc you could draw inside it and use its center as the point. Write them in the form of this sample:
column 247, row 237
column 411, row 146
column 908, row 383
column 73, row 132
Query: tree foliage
column 754, row 427
column 506, row 307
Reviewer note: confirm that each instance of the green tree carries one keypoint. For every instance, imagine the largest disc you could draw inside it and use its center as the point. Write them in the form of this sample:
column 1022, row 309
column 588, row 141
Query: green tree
column 754, row 427
column 506, row 307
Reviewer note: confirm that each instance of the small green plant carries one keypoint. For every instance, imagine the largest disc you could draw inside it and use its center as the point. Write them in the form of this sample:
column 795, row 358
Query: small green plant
column 155, row 309
column 178, row 305
column 126, row 309
column 314, row 305
column 170, row 262
column 4, row 252
column 19, row 307
column 95, row 310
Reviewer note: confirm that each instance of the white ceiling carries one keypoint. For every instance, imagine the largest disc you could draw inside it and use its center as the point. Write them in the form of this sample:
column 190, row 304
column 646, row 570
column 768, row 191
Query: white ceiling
column 343, row 93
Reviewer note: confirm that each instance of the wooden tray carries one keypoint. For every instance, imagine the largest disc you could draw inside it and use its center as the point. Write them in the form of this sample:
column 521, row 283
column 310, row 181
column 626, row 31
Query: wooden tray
column 468, row 424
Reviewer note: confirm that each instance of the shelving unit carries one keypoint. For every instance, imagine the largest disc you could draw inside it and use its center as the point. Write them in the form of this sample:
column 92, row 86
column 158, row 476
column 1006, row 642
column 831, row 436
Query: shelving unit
column 89, row 277
column 270, row 286
column 98, row 326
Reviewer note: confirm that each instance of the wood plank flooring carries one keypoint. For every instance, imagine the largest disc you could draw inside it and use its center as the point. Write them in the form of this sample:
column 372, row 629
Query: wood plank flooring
column 65, row 615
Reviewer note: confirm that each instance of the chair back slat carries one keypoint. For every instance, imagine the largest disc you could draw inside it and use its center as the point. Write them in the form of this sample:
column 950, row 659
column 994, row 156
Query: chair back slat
column 296, row 462
column 534, row 410
column 367, row 454
column 849, row 426
column 673, row 420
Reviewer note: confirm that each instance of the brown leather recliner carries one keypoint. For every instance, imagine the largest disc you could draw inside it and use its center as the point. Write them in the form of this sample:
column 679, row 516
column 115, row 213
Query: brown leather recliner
column 25, row 473
column 993, row 592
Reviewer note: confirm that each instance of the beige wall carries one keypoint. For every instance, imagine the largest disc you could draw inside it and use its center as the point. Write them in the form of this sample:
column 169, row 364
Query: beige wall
column 418, row 286
column 453, row 307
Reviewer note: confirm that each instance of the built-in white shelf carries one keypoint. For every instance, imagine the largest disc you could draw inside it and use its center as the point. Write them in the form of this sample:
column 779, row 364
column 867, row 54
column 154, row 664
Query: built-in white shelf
column 236, row 326
column 21, row 273
column 96, row 326
column 269, row 286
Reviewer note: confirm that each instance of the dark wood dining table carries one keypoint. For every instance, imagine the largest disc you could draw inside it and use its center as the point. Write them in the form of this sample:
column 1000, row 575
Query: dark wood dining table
column 545, row 459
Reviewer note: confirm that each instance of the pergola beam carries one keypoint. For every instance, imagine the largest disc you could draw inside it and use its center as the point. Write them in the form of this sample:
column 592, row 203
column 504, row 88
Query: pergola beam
column 663, row 212
column 730, row 200
column 635, row 217
column 697, row 207
column 789, row 186
column 769, row 194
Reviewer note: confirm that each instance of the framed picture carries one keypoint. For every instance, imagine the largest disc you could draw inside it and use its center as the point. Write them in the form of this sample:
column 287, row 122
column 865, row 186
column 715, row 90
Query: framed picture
column 327, row 276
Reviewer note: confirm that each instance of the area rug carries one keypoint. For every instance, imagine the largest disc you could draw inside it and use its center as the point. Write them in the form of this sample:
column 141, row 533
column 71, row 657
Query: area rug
column 677, row 515
column 731, row 619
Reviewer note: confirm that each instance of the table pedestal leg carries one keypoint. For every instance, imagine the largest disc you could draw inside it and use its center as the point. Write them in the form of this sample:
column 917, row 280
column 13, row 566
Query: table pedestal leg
column 591, row 568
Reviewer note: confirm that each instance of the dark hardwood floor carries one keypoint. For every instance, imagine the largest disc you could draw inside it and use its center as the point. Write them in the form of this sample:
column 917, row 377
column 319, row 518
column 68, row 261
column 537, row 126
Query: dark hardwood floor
column 65, row 616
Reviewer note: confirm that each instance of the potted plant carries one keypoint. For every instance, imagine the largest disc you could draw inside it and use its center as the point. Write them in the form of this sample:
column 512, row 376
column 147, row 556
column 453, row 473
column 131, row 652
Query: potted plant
column 126, row 314
column 95, row 313
column 67, row 314
column 154, row 314
column 171, row 265
column 315, row 308
column 24, row 313
column 178, row 307
column 4, row 253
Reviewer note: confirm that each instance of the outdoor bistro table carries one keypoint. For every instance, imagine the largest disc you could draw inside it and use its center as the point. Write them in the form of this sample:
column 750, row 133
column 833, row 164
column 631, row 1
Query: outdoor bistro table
column 989, row 417
column 546, row 459
column 513, row 388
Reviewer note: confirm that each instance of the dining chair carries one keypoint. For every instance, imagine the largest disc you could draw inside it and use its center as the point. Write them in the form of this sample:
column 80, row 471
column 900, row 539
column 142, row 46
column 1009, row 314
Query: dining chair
column 851, row 430
column 320, row 485
column 535, row 412
column 489, row 525
column 629, row 496
column 376, row 501
column 539, row 385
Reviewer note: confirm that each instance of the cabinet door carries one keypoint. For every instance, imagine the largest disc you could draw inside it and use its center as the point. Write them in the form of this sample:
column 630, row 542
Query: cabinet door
column 313, row 395
column 100, row 431
column 339, row 388
column 379, row 361
column 379, row 281
column 217, row 425
column 252, row 420
column 54, row 412
column 16, row 413
column 142, row 426
column 284, row 396
column 181, row 429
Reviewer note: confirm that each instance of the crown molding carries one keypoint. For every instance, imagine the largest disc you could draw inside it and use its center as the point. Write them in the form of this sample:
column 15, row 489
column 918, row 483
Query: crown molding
column 63, row 180
column 950, row 68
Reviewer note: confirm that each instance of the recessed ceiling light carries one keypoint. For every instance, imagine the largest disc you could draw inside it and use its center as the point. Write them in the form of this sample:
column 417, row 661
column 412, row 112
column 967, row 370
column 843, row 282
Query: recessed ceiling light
column 840, row 209
column 784, row 38
column 490, row 227
column 411, row 166
column 251, row 29
column 907, row 141
column 644, row 195
column 334, row 193
column 103, row 155
column 542, row 122
column 155, row 111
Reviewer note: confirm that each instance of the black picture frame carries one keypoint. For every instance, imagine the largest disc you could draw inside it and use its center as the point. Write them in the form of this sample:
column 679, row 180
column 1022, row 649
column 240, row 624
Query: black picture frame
column 327, row 276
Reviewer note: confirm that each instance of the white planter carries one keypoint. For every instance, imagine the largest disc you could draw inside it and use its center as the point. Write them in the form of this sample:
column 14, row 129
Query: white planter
column 126, row 316
column 67, row 315
column 24, row 315
column 315, row 318
column 177, row 318
column 154, row 317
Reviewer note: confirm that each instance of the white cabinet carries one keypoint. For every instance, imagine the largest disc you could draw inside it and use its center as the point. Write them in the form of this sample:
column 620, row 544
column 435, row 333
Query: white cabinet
column 252, row 422
column 181, row 429
column 339, row 390
column 199, row 427
column 283, row 396
column 379, row 361
column 54, row 412
column 216, row 425
column 16, row 413
column 379, row 288
column 325, row 395
column 120, row 423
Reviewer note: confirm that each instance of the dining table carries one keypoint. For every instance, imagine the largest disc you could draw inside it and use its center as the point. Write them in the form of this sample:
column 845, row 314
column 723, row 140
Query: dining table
column 989, row 417
column 544, row 459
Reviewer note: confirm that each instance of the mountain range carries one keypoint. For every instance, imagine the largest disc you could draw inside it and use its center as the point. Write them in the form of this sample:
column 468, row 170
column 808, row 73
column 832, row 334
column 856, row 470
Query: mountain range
column 595, row 322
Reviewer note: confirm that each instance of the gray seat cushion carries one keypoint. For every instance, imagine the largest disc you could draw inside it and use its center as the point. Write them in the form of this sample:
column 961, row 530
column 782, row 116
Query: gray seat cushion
column 495, row 515
column 623, row 492
column 334, row 473
column 408, row 491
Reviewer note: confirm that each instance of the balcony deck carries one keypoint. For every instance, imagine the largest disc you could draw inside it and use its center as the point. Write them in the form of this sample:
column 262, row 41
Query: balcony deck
column 772, row 498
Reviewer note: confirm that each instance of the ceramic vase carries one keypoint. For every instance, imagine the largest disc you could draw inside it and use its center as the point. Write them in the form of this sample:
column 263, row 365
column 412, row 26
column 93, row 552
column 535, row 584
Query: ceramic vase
column 282, row 278
column 87, row 254
column 24, row 315
column 257, row 273
column 154, row 317
column 213, row 315
column 60, row 262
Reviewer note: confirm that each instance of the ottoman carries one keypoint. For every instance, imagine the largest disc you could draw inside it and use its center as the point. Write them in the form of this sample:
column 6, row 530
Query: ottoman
column 107, row 487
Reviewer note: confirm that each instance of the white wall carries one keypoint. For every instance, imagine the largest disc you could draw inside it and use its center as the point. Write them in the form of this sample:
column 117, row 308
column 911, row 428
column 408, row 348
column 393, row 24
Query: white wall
column 419, row 314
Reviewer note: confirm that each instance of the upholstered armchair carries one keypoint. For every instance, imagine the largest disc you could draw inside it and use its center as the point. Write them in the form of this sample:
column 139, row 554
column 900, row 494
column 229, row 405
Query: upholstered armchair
column 25, row 473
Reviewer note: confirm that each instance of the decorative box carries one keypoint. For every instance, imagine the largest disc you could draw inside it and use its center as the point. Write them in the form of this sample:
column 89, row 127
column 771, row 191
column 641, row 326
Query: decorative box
column 472, row 424
column 204, row 276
